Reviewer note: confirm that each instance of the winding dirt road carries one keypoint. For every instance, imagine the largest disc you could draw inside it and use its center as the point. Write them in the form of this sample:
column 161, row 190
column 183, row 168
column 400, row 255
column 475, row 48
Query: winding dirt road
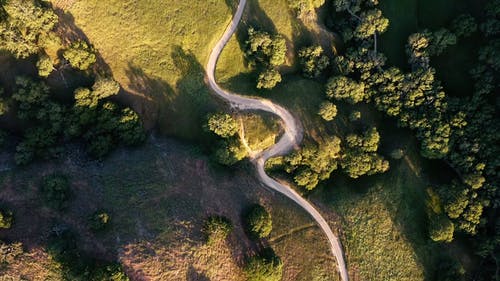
column 291, row 138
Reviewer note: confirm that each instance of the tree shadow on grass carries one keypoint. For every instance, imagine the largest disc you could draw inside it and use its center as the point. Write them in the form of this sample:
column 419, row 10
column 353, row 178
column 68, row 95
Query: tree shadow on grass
column 193, row 98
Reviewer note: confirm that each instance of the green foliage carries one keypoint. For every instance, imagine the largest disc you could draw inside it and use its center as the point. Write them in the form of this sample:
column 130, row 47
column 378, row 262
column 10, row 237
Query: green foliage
column 6, row 219
column 313, row 163
column 264, row 267
column 55, row 190
column 258, row 222
column 44, row 66
column 29, row 95
column 80, row 55
column 99, row 220
column 360, row 157
column 268, row 79
column 372, row 22
column 327, row 111
column 313, row 61
column 440, row 40
column 264, row 48
column 26, row 28
column 344, row 88
column 441, row 228
column 464, row 25
column 230, row 152
column 222, row 124
column 355, row 115
column 102, row 123
column 76, row 265
column 302, row 6
column 217, row 228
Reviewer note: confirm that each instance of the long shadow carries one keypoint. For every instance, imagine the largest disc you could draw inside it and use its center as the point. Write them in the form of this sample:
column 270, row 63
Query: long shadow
column 193, row 100
column 150, row 96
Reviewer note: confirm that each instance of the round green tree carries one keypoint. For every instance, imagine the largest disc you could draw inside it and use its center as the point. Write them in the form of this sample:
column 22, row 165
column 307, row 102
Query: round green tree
column 258, row 222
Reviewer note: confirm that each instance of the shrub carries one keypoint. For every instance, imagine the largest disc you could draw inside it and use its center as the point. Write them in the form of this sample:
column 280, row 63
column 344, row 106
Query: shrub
column 99, row 220
column 6, row 219
column 355, row 116
column 264, row 267
column 258, row 222
column 55, row 190
column 217, row 228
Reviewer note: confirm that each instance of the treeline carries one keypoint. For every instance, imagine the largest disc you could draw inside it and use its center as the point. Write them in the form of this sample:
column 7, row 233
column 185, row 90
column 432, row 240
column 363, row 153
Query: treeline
column 47, row 121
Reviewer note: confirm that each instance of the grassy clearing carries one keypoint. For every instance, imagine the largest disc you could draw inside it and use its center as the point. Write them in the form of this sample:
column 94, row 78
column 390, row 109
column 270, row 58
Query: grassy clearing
column 261, row 131
column 383, row 219
column 157, row 51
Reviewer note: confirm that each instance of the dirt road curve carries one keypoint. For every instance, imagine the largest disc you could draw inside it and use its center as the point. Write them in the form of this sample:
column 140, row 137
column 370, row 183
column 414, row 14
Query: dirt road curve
column 292, row 137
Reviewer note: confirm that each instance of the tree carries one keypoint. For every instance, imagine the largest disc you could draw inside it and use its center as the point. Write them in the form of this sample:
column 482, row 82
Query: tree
column 222, row 124
column 26, row 28
column 417, row 50
column 268, row 79
column 302, row 6
column 327, row 111
column 264, row 267
column 360, row 157
column 441, row 228
column 264, row 48
column 344, row 88
column 45, row 66
column 440, row 40
column 217, row 228
column 55, row 190
column 230, row 151
column 258, row 222
column 313, row 61
column 104, row 88
column 464, row 25
column 80, row 55
column 372, row 22
column 6, row 219
column 30, row 96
